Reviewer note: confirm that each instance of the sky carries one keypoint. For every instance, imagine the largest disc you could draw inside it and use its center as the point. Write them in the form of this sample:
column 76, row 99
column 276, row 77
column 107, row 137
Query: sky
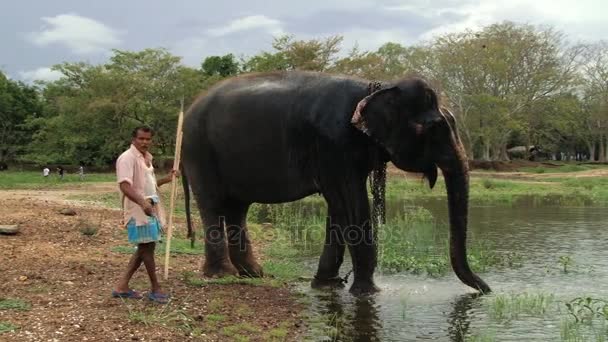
column 36, row 35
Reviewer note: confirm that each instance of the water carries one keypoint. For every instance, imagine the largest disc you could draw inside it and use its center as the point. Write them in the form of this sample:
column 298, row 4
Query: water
column 417, row 308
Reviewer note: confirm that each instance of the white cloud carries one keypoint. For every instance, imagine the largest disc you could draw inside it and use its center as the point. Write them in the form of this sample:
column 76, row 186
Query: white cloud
column 579, row 19
column 369, row 40
column 240, row 36
column 253, row 22
column 80, row 34
column 40, row 74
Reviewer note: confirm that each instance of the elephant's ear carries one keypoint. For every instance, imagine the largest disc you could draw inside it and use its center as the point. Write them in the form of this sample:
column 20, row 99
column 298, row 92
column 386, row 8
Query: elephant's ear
column 359, row 119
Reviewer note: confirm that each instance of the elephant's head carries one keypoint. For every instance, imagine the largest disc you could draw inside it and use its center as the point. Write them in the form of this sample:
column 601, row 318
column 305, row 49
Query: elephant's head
column 406, row 120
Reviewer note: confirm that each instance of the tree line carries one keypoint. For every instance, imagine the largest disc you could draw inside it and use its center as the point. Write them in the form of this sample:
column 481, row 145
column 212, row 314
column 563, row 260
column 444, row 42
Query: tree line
column 508, row 84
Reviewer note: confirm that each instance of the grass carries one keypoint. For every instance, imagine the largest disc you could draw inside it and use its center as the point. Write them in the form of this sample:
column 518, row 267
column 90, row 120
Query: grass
column 14, row 304
column 561, row 168
column 35, row 180
column 512, row 306
column 483, row 190
column 279, row 333
column 412, row 243
column 7, row 327
column 587, row 320
column 235, row 330
column 415, row 243
column 215, row 318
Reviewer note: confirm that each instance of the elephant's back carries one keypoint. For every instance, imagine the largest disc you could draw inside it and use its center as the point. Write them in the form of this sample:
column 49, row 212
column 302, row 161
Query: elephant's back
column 283, row 98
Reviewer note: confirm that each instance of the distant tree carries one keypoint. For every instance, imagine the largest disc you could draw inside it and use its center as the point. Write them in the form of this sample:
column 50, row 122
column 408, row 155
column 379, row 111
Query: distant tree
column 18, row 104
column 223, row 66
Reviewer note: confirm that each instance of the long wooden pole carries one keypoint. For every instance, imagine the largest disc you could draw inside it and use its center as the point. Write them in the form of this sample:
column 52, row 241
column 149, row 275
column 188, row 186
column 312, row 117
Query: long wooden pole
column 176, row 160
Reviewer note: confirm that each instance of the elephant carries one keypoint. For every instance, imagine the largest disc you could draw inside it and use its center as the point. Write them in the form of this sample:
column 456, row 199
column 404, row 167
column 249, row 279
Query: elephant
column 276, row 137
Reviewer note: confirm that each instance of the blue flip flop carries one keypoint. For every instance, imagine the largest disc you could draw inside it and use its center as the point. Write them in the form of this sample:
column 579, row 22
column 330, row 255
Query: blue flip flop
column 131, row 294
column 158, row 298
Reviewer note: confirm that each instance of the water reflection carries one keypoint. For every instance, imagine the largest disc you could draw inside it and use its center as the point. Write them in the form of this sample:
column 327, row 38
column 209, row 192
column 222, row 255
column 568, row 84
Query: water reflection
column 419, row 308
column 348, row 318
column 459, row 319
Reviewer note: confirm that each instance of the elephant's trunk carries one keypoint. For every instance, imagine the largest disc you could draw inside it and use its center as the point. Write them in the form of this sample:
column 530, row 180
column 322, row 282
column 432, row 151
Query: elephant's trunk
column 456, row 174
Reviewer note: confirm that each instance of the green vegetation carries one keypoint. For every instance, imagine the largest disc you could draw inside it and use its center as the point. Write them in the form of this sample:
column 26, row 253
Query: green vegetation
column 279, row 333
column 415, row 244
column 34, row 180
column 587, row 320
column 14, row 304
column 560, row 168
column 7, row 327
column 566, row 262
column 484, row 190
column 411, row 243
column 235, row 330
column 512, row 306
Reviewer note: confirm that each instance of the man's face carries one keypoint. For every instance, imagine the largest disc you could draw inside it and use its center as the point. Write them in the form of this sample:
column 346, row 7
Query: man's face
column 142, row 141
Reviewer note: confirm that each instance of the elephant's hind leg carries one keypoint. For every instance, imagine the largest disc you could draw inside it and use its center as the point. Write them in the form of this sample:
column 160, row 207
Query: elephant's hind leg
column 331, row 258
column 217, row 260
column 239, row 245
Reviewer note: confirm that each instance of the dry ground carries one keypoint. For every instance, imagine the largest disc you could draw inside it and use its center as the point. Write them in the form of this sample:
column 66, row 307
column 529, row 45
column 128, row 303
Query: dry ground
column 67, row 278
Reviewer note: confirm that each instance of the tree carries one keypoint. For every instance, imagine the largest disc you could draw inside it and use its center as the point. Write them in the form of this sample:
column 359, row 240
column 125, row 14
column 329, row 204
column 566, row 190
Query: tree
column 93, row 108
column 223, row 66
column 514, row 65
column 291, row 54
column 18, row 103
column 595, row 92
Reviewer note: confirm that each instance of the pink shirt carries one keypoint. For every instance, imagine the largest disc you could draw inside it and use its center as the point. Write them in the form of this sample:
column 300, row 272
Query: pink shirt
column 131, row 168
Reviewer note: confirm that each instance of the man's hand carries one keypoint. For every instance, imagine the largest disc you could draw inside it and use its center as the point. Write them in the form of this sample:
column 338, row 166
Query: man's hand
column 168, row 178
column 148, row 208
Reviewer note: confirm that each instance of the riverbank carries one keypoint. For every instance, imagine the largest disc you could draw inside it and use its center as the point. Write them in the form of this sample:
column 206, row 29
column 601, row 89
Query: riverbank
column 61, row 268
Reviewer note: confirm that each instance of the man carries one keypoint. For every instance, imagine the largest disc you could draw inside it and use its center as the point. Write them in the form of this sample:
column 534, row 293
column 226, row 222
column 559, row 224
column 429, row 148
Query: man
column 143, row 213
column 45, row 172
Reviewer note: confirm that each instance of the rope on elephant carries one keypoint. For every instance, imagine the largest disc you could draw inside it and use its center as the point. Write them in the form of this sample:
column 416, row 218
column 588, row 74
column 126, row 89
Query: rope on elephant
column 377, row 182
column 378, row 186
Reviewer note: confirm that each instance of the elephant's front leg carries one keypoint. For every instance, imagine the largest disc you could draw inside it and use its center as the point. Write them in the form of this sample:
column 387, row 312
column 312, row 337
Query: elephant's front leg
column 239, row 245
column 331, row 258
column 350, row 223
column 360, row 239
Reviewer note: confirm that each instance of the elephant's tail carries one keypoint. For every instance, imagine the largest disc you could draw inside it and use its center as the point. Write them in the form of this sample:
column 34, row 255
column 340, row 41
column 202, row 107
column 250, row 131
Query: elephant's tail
column 186, row 185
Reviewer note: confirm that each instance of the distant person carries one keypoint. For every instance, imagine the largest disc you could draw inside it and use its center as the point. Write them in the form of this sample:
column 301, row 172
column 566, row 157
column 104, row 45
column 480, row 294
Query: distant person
column 60, row 172
column 81, row 172
column 45, row 172
column 142, row 212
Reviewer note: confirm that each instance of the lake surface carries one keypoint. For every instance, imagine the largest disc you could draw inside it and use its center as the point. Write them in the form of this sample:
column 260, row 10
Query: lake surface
column 420, row 308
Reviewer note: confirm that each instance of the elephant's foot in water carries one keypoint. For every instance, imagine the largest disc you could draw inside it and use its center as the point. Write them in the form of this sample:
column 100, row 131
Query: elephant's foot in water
column 363, row 287
column 219, row 269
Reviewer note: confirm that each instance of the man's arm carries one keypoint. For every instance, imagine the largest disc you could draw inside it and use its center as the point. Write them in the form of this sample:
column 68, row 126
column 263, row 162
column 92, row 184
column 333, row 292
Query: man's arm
column 168, row 178
column 128, row 190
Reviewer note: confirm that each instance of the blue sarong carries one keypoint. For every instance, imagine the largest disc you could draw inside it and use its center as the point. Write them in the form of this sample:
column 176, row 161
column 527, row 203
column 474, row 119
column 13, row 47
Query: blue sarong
column 146, row 233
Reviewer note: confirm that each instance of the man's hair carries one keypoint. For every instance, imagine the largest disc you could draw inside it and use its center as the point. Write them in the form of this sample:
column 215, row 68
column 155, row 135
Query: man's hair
column 142, row 128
